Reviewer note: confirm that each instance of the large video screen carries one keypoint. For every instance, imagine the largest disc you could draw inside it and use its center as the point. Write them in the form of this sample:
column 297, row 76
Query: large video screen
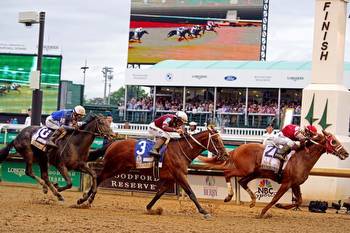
column 15, row 93
column 197, row 30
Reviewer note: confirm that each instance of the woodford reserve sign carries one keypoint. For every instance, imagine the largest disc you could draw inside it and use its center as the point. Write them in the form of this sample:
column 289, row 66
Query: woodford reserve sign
column 141, row 180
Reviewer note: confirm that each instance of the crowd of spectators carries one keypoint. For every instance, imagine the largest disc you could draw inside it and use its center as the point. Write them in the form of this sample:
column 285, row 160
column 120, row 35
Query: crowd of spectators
column 207, row 106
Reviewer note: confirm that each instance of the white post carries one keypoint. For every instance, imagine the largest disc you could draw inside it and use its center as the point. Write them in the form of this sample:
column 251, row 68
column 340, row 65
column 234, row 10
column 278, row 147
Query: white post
column 325, row 102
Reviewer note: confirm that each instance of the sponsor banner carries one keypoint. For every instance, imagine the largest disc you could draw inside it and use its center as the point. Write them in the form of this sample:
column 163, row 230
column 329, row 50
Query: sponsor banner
column 140, row 180
column 265, row 190
column 209, row 187
column 219, row 78
column 14, row 172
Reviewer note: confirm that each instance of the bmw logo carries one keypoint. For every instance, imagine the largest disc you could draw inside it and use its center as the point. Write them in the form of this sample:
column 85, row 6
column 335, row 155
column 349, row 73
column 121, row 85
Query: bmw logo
column 169, row 76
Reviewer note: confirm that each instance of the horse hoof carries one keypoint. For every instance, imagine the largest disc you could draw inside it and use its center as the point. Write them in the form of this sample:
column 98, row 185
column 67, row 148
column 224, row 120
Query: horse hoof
column 45, row 190
column 80, row 201
column 228, row 198
column 252, row 205
column 60, row 199
column 207, row 216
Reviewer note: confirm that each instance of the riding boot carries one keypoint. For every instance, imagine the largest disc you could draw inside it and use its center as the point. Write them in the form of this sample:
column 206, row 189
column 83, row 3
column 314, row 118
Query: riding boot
column 155, row 150
column 55, row 136
column 282, row 152
column 281, row 155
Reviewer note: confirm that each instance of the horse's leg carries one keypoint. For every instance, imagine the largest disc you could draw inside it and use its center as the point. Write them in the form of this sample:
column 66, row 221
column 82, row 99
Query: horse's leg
column 228, row 175
column 93, row 189
column 182, row 181
column 28, row 157
column 282, row 190
column 244, row 183
column 297, row 193
column 163, row 187
column 64, row 172
column 44, row 167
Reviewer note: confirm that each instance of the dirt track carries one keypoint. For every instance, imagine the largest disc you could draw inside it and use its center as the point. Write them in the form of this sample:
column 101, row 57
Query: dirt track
column 28, row 210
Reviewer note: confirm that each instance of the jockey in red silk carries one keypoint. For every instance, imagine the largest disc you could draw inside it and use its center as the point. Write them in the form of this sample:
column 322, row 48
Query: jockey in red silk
column 290, row 135
column 161, row 127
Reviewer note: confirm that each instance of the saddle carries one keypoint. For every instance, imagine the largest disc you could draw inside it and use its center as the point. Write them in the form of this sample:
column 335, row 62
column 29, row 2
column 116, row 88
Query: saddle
column 40, row 138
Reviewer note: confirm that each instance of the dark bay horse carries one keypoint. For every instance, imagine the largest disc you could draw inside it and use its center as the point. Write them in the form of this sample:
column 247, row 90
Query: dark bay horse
column 246, row 159
column 182, row 34
column 72, row 152
column 136, row 36
column 119, row 158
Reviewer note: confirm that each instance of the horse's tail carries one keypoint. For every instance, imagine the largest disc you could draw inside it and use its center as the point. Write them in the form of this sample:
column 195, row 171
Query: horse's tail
column 4, row 152
column 215, row 164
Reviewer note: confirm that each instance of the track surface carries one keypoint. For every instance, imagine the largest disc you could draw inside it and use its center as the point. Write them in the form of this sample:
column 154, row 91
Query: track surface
column 28, row 210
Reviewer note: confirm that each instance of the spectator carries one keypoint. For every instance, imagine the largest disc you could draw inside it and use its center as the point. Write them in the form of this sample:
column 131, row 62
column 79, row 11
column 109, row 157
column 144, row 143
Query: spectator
column 268, row 135
column 28, row 118
column 193, row 128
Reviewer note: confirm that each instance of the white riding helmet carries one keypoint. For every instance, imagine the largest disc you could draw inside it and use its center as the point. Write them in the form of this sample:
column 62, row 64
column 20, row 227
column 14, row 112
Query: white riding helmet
column 80, row 110
column 192, row 123
column 182, row 115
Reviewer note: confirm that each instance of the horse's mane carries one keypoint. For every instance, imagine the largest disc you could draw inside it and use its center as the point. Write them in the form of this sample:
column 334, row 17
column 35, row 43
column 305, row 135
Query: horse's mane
column 182, row 138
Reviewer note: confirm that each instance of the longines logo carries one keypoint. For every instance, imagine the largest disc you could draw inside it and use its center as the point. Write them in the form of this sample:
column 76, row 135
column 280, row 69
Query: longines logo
column 199, row 76
column 295, row 78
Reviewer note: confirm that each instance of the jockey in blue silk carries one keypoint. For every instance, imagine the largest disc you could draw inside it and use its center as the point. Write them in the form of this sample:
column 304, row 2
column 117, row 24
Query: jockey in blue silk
column 63, row 120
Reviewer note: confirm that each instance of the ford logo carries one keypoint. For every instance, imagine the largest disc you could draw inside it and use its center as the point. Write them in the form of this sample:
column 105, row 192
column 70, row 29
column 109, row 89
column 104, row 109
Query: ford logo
column 230, row 78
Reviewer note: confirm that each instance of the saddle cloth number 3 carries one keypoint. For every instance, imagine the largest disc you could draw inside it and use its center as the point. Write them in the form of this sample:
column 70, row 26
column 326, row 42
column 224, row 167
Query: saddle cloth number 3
column 141, row 147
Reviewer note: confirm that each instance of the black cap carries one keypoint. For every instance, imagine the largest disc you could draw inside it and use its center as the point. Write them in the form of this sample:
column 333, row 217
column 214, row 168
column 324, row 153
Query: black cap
column 269, row 124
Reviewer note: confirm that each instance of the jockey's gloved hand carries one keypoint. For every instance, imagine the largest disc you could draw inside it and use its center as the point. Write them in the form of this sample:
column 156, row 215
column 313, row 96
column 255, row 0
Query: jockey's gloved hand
column 69, row 128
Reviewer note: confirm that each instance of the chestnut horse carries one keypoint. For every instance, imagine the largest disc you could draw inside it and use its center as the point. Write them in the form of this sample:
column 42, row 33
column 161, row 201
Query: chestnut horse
column 72, row 152
column 119, row 158
column 246, row 159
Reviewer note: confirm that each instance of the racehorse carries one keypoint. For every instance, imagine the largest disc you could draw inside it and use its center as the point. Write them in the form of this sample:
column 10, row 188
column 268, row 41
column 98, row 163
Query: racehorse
column 72, row 152
column 210, row 28
column 196, row 31
column 136, row 36
column 246, row 159
column 181, row 34
column 119, row 158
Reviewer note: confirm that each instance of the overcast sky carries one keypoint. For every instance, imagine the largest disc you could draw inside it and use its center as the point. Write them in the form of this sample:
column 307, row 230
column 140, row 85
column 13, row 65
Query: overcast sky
column 98, row 31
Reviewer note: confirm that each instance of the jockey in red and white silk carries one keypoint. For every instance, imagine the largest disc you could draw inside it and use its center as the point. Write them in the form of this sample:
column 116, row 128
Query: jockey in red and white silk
column 291, row 134
column 161, row 127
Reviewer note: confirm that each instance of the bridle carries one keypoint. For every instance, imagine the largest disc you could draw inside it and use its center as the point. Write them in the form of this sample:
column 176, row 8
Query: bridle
column 210, row 141
column 99, row 130
column 329, row 145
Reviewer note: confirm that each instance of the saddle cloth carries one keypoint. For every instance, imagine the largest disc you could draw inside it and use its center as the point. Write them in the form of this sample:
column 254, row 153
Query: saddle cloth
column 142, row 154
column 270, row 162
column 40, row 137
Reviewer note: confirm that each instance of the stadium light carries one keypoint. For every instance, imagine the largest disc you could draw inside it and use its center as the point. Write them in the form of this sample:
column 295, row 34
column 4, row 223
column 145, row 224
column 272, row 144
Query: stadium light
column 29, row 18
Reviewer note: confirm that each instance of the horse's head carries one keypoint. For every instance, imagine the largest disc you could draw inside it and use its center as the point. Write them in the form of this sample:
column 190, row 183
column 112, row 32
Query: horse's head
column 144, row 32
column 215, row 144
column 98, row 124
column 333, row 146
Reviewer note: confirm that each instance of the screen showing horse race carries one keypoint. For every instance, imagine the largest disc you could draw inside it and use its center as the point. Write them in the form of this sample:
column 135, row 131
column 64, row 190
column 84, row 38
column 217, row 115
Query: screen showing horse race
column 197, row 30
column 15, row 93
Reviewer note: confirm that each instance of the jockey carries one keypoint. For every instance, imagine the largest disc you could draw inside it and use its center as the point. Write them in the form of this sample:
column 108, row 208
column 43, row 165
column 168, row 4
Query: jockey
column 138, row 30
column 290, row 135
column 179, row 30
column 164, row 124
column 59, row 121
column 193, row 128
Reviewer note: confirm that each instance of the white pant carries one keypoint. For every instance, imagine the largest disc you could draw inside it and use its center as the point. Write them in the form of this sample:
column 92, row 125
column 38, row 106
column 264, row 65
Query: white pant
column 51, row 123
column 280, row 139
column 158, row 132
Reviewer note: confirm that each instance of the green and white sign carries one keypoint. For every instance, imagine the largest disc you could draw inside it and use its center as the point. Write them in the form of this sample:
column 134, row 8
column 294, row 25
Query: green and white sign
column 14, row 172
